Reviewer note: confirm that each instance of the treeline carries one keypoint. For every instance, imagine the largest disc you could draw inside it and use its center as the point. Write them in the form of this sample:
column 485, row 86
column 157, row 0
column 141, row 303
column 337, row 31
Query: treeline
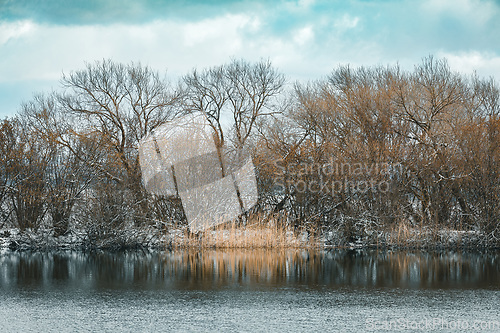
column 357, row 153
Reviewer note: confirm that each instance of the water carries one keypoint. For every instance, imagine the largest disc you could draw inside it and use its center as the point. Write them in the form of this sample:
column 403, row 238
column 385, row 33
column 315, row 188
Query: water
column 248, row 291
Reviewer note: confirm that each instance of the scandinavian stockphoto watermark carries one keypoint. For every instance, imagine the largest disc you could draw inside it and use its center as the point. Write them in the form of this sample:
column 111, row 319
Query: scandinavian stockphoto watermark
column 432, row 323
column 336, row 176
column 181, row 158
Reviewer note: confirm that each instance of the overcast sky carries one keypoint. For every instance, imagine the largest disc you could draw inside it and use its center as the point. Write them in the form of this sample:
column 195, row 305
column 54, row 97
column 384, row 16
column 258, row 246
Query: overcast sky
column 307, row 39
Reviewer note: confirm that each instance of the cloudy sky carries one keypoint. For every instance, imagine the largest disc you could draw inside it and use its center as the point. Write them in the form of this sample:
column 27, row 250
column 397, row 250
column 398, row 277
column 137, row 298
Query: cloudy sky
column 306, row 39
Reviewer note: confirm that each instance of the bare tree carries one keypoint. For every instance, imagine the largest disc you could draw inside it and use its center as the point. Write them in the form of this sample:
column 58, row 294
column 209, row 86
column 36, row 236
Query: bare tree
column 236, row 94
column 68, row 173
column 26, row 165
column 8, row 144
column 430, row 101
column 118, row 104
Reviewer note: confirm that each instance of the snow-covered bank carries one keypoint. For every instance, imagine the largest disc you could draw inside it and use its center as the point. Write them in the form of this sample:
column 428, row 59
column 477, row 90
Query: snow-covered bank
column 253, row 236
column 42, row 240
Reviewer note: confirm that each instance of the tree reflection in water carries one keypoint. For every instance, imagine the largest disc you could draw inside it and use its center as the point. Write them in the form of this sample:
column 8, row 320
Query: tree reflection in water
column 204, row 270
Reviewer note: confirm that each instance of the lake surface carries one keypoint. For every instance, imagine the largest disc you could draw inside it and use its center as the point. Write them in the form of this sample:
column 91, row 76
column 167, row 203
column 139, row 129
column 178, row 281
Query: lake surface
column 250, row 290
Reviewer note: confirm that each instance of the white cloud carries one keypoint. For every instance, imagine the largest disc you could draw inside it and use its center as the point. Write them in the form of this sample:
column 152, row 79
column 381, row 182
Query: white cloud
column 303, row 35
column 12, row 30
column 46, row 51
column 484, row 64
column 211, row 30
column 43, row 52
column 478, row 12
column 346, row 22
column 299, row 6
column 306, row 3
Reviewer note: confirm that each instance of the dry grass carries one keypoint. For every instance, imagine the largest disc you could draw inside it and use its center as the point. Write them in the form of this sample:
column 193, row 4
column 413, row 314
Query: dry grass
column 257, row 233
column 404, row 235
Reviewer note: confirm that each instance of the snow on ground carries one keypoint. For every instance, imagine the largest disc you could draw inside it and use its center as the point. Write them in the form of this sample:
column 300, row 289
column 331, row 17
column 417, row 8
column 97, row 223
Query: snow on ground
column 240, row 238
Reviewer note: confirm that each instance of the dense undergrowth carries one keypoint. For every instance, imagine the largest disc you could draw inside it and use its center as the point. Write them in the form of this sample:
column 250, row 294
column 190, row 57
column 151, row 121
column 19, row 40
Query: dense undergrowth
column 371, row 157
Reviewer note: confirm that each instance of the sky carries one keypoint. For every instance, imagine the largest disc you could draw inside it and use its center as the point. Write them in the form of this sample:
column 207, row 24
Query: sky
column 306, row 39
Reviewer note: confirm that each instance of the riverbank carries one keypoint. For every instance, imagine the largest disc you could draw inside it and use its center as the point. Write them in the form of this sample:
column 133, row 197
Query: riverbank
column 256, row 235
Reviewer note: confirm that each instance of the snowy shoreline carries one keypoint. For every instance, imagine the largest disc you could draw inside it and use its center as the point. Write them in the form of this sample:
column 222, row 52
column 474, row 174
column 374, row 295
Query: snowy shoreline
column 242, row 238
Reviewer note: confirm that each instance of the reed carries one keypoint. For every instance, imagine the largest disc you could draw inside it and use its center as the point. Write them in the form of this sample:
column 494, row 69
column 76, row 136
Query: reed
column 405, row 235
column 258, row 232
column 266, row 233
